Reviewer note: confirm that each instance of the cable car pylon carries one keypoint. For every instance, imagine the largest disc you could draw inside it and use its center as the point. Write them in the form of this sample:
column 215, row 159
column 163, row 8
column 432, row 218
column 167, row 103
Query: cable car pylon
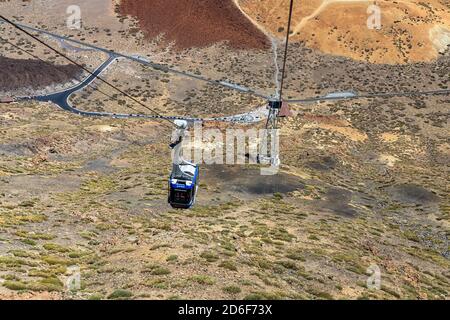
column 268, row 151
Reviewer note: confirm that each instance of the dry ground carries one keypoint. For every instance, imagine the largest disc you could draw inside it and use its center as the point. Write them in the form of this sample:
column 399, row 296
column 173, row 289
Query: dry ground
column 354, row 191
column 17, row 73
column 412, row 30
column 197, row 24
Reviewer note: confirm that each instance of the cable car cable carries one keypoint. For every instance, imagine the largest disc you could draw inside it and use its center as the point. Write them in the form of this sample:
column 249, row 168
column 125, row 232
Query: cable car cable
column 84, row 68
column 283, row 73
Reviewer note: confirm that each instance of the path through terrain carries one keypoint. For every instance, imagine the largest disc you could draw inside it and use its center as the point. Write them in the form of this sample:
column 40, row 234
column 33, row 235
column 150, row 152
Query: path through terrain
column 26, row 73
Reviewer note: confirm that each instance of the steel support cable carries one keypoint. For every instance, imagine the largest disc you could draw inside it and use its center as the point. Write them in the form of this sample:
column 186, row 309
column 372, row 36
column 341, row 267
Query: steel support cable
column 283, row 73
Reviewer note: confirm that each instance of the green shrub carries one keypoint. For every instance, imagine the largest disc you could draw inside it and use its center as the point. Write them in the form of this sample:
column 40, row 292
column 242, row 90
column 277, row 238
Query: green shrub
column 120, row 294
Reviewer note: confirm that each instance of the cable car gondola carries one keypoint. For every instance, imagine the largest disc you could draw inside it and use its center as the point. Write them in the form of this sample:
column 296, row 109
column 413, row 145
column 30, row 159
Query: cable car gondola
column 183, row 181
column 183, row 186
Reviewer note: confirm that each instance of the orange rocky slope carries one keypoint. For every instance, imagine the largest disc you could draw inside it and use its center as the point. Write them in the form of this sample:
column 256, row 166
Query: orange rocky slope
column 412, row 30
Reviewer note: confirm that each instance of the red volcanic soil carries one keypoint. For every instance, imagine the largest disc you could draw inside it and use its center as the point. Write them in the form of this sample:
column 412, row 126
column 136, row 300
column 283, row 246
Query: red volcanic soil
column 17, row 74
column 196, row 23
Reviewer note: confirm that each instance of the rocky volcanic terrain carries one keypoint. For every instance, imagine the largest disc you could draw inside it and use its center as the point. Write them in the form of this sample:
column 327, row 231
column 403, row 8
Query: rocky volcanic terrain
column 411, row 31
column 192, row 23
column 363, row 184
